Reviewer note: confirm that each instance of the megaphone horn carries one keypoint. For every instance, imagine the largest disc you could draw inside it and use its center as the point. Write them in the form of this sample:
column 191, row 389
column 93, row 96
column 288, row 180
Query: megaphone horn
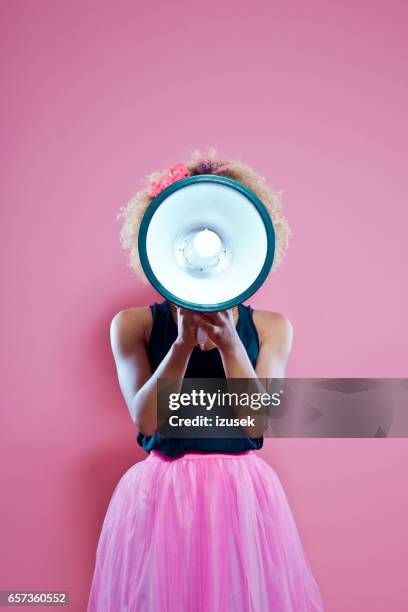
column 206, row 243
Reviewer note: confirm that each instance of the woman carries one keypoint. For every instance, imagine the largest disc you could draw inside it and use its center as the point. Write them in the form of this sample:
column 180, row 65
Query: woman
column 200, row 524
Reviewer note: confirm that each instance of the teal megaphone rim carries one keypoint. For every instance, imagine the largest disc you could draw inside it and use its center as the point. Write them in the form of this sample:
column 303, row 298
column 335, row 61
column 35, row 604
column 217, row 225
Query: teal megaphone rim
column 206, row 178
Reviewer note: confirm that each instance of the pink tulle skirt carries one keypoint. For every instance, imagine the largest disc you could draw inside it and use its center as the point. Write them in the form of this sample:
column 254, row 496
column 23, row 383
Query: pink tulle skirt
column 201, row 533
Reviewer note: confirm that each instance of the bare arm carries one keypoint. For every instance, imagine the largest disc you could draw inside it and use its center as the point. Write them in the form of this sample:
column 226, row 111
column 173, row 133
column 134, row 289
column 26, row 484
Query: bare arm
column 136, row 379
column 275, row 333
column 276, row 340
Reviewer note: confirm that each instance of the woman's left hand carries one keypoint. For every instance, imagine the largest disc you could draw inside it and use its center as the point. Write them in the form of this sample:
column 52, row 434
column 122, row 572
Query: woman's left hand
column 220, row 328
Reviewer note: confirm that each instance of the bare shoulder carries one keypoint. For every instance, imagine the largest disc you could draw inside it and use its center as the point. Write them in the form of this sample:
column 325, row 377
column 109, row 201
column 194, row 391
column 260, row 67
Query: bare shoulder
column 273, row 325
column 129, row 327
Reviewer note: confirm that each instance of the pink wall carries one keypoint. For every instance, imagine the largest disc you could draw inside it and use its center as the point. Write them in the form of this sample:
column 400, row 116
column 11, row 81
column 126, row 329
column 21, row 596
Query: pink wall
column 97, row 94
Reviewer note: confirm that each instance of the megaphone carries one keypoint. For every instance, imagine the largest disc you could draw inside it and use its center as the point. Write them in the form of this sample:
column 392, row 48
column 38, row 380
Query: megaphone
column 206, row 243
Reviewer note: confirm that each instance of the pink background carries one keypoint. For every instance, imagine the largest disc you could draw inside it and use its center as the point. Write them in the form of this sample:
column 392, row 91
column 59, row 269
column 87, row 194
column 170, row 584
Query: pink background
column 95, row 95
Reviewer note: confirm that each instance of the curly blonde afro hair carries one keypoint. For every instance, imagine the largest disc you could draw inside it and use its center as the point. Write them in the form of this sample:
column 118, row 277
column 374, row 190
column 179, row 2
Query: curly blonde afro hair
column 134, row 210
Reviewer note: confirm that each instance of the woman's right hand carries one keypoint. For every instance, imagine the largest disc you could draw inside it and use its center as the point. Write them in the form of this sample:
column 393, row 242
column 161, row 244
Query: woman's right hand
column 187, row 328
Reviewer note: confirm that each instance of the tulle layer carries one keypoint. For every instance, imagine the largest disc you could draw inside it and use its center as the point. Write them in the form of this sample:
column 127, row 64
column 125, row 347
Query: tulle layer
column 201, row 533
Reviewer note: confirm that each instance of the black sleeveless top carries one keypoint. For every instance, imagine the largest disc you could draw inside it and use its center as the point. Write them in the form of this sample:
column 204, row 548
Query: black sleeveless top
column 202, row 364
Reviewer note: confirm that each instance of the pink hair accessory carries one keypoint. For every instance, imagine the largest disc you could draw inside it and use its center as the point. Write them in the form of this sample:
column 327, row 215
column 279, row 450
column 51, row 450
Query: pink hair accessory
column 174, row 173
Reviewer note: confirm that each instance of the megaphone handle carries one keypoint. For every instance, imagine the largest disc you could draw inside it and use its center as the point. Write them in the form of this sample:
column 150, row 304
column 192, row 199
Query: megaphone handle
column 201, row 337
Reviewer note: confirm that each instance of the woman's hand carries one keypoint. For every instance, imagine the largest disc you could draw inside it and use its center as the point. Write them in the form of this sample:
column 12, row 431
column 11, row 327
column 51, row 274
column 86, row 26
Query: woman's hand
column 220, row 329
column 187, row 329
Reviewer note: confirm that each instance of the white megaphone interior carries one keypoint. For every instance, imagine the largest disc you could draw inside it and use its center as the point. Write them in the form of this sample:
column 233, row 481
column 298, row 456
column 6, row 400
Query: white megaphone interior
column 220, row 209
